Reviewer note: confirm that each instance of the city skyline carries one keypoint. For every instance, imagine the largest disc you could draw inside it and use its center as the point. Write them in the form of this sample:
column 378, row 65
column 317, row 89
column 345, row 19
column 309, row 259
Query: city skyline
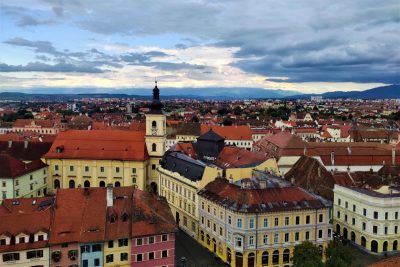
column 306, row 46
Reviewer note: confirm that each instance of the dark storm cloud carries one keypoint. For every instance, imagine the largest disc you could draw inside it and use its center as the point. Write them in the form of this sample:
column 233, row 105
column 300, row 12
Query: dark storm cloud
column 306, row 41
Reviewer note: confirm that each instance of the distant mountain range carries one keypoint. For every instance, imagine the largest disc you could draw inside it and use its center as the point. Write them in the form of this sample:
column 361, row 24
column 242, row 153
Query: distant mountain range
column 383, row 92
column 217, row 93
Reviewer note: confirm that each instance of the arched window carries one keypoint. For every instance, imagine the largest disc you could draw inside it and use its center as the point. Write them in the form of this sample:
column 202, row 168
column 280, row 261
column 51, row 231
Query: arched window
column 374, row 246
column 250, row 259
column 202, row 235
column 363, row 242
column 385, row 246
column 102, row 184
column 286, row 256
column 125, row 217
column 353, row 236
column 153, row 124
column 239, row 259
column 154, row 147
column 395, row 245
column 86, row 184
column 264, row 259
column 56, row 184
column 71, row 184
column 228, row 255
column 275, row 257
column 117, row 184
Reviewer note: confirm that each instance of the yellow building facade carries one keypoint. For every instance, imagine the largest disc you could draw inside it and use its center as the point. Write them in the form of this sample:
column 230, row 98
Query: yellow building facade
column 266, row 236
column 117, row 253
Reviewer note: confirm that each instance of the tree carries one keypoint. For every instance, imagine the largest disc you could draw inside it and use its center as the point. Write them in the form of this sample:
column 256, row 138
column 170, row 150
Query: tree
column 307, row 254
column 227, row 121
column 338, row 254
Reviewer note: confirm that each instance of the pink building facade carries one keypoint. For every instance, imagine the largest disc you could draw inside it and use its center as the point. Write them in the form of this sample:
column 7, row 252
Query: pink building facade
column 153, row 251
column 64, row 255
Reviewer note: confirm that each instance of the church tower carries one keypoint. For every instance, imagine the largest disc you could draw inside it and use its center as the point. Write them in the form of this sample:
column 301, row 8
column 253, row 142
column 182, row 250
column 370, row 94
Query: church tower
column 156, row 132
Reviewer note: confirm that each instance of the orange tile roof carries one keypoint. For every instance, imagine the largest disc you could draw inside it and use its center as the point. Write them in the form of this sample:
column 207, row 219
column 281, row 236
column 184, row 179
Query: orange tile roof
column 10, row 167
column 234, row 157
column 100, row 144
column 241, row 132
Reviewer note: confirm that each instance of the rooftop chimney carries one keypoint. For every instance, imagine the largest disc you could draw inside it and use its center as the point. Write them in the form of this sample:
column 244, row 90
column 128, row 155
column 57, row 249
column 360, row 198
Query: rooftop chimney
column 26, row 144
column 110, row 195
column 9, row 143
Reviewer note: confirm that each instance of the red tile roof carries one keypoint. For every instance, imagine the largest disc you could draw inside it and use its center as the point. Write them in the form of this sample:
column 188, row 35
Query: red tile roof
column 235, row 157
column 28, row 122
column 100, row 144
column 10, row 167
column 259, row 200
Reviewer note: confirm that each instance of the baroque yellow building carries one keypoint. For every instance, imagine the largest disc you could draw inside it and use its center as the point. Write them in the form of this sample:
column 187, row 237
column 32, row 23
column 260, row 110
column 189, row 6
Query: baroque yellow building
column 84, row 158
column 258, row 221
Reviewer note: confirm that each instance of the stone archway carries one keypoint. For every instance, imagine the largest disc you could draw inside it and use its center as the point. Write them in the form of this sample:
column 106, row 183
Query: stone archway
column 363, row 242
column 374, row 246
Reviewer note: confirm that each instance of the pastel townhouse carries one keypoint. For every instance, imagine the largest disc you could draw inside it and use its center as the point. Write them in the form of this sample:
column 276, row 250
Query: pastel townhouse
column 153, row 232
column 24, row 231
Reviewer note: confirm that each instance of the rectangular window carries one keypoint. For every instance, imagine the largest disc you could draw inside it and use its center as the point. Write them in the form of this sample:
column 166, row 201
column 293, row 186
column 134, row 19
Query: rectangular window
column 34, row 254
column 346, row 204
column 239, row 223
column 354, row 208
column 321, row 218
column 153, row 166
column 386, row 230
column 396, row 215
column 319, row 233
column 339, row 201
column 110, row 243
column 265, row 239
column 139, row 257
column 251, row 223
column 375, row 215
column 286, row 237
column 164, row 253
column 364, row 226
column 287, row 220
column 375, row 229
column 296, row 236
column 122, row 242
column 96, row 262
column 110, row 258
column 85, row 263
column 164, row 238
column 117, row 169
column 71, row 168
column 265, row 222
column 338, row 214
column 365, row 212
column 276, row 221
column 386, row 215
column 133, row 170
column 151, row 255
column 353, row 221
column 151, row 240
column 308, row 219
column 297, row 220
column 96, row 248
column 238, row 241
column 276, row 238
column 229, row 219
column 85, row 249
column 251, row 240
column 307, row 235
column 124, row 256
column 395, row 229
column 101, row 169
column 56, row 167
column 139, row 241
column 86, row 168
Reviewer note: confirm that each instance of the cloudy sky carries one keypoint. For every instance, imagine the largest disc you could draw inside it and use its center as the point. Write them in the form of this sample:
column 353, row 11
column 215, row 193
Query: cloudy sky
column 308, row 46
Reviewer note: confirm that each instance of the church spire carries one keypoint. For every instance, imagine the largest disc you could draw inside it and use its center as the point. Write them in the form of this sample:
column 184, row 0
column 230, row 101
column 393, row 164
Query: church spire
column 156, row 104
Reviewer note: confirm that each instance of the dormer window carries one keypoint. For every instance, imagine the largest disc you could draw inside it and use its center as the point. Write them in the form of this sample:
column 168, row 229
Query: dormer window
column 125, row 217
column 3, row 242
column 40, row 237
column 22, row 240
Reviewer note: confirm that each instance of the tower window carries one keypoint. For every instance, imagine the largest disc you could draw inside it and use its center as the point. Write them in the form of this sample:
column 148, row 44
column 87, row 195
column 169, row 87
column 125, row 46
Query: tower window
column 153, row 147
column 154, row 124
